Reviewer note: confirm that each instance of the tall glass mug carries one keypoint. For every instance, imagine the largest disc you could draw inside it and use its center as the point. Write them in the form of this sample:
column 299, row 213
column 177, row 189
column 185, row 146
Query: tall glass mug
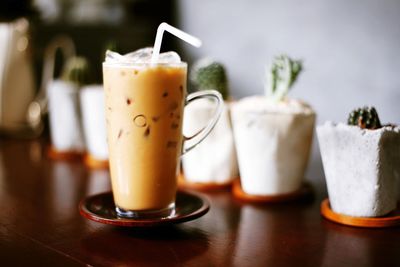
column 144, row 111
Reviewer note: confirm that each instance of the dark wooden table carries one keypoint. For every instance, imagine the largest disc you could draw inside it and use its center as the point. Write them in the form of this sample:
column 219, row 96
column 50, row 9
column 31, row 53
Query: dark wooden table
column 40, row 226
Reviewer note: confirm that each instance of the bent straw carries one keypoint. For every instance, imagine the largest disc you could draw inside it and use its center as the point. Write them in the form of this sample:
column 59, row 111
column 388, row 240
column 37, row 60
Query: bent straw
column 174, row 31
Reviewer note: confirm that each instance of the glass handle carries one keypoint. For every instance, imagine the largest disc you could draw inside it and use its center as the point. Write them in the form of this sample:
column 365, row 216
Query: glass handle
column 38, row 107
column 192, row 141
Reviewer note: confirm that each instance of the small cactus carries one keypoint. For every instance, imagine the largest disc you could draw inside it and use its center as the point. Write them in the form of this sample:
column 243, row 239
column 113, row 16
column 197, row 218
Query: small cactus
column 365, row 118
column 281, row 76
column 76, row 70
column 209, row 74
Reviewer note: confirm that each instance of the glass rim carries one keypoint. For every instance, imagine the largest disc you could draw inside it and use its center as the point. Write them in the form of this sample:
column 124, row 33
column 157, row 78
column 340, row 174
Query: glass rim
column 144, row 64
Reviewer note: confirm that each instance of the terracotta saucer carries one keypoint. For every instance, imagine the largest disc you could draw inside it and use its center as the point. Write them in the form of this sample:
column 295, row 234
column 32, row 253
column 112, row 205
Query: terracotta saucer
column 185, row 184
column 304, row 191
column 100, row 208
column 63, row 155
column 94, row 163
column 390, row 220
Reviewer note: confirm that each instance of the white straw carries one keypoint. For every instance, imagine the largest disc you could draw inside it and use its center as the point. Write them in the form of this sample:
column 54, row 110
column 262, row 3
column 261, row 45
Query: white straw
column 174, row 31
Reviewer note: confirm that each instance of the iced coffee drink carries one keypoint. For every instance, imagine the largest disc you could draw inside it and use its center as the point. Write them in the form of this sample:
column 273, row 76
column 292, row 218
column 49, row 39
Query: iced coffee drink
column 144, row 111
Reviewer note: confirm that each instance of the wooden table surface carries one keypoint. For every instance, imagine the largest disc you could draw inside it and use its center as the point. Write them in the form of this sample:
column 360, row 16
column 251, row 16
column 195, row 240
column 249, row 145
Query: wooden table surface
column 40, row 226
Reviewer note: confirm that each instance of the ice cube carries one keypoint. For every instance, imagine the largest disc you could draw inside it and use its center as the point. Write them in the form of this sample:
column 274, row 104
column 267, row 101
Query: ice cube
column 169, row 57
column 142, row 56
column 113, row 56
column 139, row 56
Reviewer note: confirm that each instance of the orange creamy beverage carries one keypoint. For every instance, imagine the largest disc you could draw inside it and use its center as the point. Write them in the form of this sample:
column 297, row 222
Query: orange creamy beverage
column 144, row 111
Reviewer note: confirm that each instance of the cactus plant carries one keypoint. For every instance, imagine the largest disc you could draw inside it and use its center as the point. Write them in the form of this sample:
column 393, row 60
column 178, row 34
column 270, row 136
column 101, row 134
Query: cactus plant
column 209, row 74
column 365, row 118
column 76, row 70
column 281, row 76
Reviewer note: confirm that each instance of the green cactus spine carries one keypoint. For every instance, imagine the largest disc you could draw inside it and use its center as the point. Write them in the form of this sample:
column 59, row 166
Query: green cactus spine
column 281, row 76
column 76, row 70
column 365, row 118
column 209, row 74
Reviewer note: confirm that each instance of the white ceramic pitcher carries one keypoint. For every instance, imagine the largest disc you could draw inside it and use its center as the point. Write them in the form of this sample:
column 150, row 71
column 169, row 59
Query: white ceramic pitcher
column 16, row 75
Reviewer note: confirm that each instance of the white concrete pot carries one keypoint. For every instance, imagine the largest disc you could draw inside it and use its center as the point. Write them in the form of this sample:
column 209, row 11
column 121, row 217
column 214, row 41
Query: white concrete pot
column 273, row 142
column 214, row 160
column 64, row 114
column 94, row 121
column 362, row 168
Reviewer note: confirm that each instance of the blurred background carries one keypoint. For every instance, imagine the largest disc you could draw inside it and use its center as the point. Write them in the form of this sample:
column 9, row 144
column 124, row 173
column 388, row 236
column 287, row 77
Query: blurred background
column 350, row 49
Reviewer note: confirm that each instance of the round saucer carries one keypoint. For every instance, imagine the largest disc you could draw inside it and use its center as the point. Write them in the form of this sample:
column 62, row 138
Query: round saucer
column 185, row 184
column 304, row 191
column 390, row 220
column 100, row 208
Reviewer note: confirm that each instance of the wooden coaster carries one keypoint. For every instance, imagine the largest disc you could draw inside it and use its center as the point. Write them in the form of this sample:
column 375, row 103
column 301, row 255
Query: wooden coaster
column 94, row 163
column 184, row 184
column 63, row 155
column 390, row 220
column 304, row 191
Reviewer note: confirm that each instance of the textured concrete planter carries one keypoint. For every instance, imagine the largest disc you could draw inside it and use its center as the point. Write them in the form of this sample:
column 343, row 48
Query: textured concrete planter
column 273, row 143
column 65, row 120
column 362, row 168
column 94, row 121
column 214, row 160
